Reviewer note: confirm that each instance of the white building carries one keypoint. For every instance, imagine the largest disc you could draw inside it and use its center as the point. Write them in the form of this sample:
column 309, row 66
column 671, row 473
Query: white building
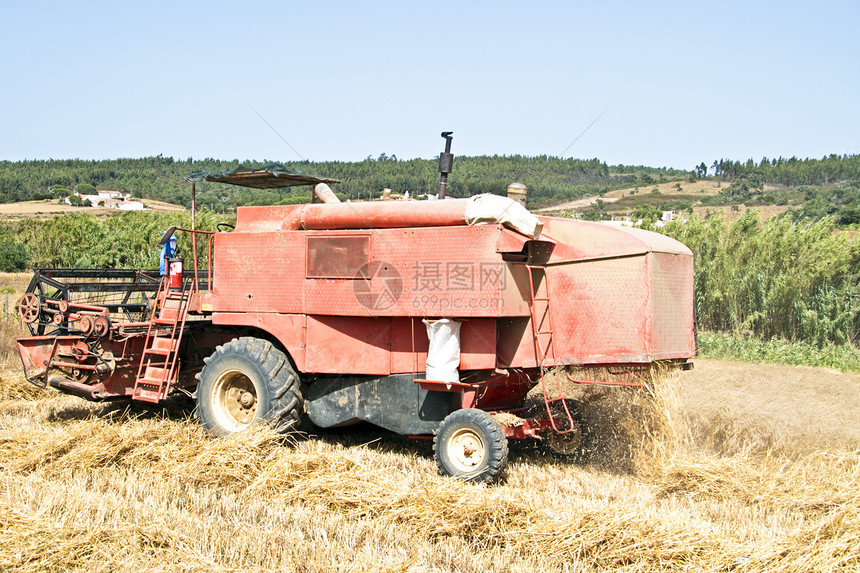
column 129, row 206
column 111, row 200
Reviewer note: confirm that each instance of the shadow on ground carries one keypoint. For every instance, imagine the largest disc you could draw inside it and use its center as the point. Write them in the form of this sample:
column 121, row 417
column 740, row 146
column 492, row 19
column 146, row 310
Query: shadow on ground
column 179, row 407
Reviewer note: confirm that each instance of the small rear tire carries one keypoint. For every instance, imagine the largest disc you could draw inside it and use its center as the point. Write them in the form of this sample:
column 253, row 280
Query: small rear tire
column 470, row 445
column 245, row 382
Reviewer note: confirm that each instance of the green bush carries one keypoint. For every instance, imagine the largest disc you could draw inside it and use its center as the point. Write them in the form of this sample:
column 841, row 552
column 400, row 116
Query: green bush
column 14, row 256
column 723, row 346
column 123, row 240
column 794, row 280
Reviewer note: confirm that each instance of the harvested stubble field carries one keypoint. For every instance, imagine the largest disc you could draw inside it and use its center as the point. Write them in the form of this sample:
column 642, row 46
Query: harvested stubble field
column 99, row 488
column 47, row 208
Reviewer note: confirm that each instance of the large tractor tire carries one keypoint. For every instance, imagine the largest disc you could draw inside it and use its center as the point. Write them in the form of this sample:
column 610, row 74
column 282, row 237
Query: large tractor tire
column 471, row 445
column 247, row 381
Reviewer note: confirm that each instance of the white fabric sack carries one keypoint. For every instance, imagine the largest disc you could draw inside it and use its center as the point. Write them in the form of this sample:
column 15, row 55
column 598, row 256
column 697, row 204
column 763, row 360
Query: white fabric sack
column 489, row 208
column 443, row 356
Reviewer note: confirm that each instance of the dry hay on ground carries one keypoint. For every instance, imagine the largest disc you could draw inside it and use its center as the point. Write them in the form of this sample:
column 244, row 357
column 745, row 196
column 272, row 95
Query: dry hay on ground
column 775, row 406
column 97, row 488
column 667, row 190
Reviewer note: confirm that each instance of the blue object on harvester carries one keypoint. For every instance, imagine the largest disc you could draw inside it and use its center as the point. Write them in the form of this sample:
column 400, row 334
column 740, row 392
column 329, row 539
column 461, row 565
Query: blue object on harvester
column 167, row 251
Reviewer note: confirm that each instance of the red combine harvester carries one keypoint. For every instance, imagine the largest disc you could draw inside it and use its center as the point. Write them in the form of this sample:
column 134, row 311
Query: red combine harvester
column 426, row 318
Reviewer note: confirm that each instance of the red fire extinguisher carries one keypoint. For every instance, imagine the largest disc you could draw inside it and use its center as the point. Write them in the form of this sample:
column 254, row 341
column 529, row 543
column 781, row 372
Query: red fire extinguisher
column 174, row 273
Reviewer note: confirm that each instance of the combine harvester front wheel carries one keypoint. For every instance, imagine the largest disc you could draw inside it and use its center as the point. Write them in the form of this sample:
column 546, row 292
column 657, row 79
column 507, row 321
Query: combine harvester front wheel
column 245, row 381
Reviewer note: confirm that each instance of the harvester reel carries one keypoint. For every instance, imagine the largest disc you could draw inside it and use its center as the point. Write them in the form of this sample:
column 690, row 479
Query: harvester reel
column 33, row 305
column 29, row 308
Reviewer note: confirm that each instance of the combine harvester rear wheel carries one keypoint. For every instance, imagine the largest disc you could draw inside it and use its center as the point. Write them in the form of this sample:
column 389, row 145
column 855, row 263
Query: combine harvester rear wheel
column 471, row 445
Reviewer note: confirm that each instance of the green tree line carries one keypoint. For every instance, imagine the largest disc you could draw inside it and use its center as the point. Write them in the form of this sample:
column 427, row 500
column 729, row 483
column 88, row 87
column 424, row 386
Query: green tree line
column 162, row 178
column 548, row 179
column 791, row 171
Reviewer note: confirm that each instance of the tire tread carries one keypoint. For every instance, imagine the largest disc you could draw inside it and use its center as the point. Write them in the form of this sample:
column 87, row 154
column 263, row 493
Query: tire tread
column 283, row 385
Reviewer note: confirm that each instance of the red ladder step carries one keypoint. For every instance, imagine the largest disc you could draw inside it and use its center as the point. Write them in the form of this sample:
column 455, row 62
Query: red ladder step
column 158, row 369
column 545, row 343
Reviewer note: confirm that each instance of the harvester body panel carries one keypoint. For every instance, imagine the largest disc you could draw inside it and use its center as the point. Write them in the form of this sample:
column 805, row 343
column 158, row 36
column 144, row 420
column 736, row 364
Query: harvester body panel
column 617, row 295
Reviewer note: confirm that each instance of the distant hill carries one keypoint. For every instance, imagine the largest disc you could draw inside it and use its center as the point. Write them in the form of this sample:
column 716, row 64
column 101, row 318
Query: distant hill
column 813, row 188
column 809, row 188
column 548, row 178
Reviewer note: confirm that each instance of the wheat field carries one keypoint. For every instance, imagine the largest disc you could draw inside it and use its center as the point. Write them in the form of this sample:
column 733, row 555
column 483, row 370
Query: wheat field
column 99, row 487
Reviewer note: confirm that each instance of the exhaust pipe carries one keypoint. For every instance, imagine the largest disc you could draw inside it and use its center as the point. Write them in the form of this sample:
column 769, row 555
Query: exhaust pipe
column 446, row 161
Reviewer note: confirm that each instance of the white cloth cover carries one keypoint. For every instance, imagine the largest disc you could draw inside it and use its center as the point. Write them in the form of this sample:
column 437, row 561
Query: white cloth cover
column 443, row 356
column 489, row 208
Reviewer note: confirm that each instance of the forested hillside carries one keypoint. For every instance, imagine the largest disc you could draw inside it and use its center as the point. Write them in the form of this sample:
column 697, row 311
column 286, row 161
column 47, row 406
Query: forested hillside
column 823, row 187
column 791, row 171
column 814, row 188
column 162, row 178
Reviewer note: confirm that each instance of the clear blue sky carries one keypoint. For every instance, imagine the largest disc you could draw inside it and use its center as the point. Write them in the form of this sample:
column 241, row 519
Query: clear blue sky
column 680, row 82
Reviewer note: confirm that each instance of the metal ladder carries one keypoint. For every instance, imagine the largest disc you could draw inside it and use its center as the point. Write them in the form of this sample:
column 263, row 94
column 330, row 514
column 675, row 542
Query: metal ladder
column 158, row 364
column 541, row 314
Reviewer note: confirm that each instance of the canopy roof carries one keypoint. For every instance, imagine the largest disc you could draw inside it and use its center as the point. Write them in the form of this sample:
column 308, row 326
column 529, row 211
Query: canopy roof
column 268, row 177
